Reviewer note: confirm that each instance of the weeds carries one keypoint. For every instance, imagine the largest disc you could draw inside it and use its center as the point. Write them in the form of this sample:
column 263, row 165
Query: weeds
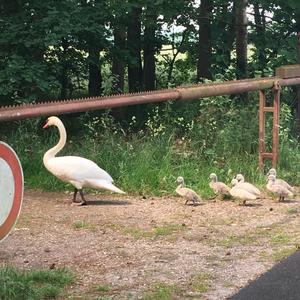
column 281, row 254
column 160, row 291
column 201, row 282
column 168, row 230
column 80, row 224
column 190, row 140
column 36, row 284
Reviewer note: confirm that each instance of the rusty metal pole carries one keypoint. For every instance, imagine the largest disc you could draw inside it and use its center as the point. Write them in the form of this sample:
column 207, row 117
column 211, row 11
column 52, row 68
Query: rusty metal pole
column 276, row 123
column 263, row 109
column 262, row 127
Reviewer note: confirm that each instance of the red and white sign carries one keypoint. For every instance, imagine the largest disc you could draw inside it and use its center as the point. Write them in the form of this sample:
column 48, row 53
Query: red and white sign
column 11, row 189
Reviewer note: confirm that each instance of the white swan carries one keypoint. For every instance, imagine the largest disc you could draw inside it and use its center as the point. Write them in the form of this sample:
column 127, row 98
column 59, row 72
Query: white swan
column 186, row 193
column 78, row 171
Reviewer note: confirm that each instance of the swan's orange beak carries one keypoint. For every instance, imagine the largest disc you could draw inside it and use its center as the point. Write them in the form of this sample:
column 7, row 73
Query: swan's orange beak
column 46, row 125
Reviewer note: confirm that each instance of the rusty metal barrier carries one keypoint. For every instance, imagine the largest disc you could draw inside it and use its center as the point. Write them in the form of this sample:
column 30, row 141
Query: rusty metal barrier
column 286, row 76
column 182, row 93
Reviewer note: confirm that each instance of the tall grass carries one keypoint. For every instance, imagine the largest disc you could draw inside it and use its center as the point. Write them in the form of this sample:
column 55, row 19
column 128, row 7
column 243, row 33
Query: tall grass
column 214, row 136
column 16, row 284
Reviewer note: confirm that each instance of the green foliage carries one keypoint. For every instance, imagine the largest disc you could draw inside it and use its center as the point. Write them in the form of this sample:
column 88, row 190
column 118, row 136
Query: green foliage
column 31, row 285
column 214, row 136
column 45, row 46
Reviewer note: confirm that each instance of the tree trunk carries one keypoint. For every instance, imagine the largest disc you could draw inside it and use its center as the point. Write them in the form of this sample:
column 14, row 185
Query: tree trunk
column 241, row 39
column 118, row 65
column 230, row 36
column 260, row 43
column 134, row 47
column 204, row 42
column 95, row 78
column 149, row 50
column 64, row 73
column 298, row 87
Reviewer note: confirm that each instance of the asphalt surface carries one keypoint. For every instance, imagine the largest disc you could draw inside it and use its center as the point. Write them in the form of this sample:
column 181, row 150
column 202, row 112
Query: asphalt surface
column 282, row 282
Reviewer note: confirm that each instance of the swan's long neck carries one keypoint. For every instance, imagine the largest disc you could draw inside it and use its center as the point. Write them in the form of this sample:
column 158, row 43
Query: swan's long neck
column 61, row 143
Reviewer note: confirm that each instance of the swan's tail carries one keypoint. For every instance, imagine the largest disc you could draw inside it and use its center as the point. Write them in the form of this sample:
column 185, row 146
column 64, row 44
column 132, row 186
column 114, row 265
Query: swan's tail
column 103, row 184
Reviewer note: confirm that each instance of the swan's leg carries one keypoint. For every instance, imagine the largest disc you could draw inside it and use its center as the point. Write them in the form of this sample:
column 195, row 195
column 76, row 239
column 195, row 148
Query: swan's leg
column 82, row 197
column 75, row 194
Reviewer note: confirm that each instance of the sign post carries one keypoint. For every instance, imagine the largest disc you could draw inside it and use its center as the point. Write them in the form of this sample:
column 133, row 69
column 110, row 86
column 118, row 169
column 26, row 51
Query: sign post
column 11, row 189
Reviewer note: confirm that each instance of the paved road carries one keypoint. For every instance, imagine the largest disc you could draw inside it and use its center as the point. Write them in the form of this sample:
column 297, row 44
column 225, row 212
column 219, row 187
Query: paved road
column 282, row 282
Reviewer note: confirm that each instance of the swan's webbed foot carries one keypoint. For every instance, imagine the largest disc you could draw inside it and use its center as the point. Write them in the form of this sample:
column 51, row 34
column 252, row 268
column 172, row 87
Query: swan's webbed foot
column 83, row 201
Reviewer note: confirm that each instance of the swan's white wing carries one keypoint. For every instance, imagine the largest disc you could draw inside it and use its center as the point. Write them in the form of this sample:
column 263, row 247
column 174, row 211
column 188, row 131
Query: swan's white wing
column 76, row 169
column 103, row 184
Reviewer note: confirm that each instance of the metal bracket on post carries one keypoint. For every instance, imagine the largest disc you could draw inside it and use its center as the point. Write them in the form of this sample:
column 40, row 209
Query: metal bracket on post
column 263, row 109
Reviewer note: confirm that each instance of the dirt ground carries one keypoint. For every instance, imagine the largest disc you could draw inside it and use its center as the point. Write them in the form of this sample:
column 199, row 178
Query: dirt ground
column 134, row 248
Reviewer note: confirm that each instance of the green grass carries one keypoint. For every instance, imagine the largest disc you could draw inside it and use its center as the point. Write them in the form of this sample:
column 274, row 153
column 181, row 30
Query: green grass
column 280, row 238
column 167, row 230
column 161, row 291
column 292, row 211
column 80, row 224
column 103, row 288
column 34, row 284
column 190, row 140
column 281, row 254
column 201, row 282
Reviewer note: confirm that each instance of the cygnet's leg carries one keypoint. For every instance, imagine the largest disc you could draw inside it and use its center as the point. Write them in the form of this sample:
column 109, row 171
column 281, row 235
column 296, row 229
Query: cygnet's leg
column 242, row 203
column 214, row 197
column 82, row 197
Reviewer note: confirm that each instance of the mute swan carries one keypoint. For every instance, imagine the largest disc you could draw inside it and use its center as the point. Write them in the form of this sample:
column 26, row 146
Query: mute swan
column 186, row 193
column 280, row 181
column 217, row 186
column 78, row 171
column 240, row 193
column 278, row 189
column 247, row 186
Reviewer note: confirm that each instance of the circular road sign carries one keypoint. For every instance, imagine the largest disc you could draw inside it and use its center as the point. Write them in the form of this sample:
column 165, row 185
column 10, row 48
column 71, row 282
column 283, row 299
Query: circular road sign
column 11, row 189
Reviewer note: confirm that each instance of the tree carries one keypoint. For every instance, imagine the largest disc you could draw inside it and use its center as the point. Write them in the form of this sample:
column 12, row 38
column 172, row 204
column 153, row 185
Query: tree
column 204, row 42
column 135, row 72
column 118, row 53
column 149, row 48
column 241, row 39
